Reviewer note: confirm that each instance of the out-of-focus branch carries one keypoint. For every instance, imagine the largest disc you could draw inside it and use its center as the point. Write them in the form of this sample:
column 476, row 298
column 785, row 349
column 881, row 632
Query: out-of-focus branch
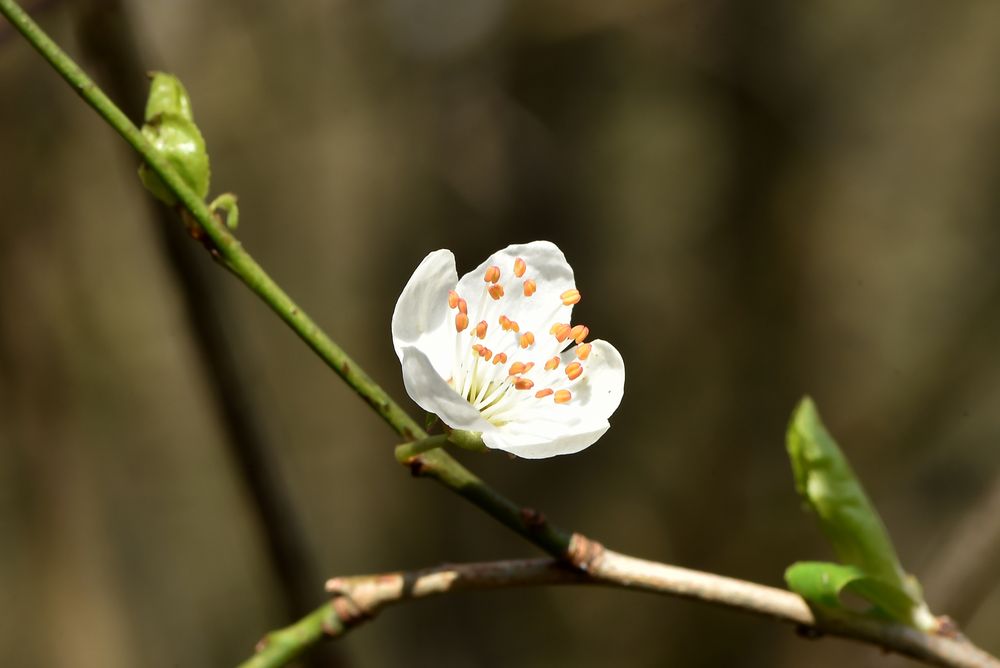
column 358, row 599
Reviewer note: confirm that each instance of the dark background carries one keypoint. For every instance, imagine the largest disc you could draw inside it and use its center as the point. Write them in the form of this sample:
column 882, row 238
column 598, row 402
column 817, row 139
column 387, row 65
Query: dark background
column 760, row 200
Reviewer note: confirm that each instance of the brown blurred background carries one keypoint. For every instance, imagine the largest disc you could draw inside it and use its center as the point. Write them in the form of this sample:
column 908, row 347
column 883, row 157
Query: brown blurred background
column 760, row 200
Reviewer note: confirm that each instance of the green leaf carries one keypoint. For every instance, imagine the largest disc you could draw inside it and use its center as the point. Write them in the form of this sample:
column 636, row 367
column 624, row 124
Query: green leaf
column 829, row 487
column 170, row 128
column 822, row 583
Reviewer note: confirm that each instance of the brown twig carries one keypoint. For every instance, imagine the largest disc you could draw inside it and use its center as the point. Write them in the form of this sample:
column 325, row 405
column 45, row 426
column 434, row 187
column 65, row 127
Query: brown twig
column 359, row 599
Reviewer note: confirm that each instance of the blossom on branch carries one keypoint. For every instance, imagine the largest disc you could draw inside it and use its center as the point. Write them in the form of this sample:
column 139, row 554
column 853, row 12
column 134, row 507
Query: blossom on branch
column 496, row 352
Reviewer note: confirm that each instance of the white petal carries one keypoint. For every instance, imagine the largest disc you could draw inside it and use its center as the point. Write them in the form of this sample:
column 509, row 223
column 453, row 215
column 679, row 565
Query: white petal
column 430, row 391
column 422, row 317
column 547, row 266
column 543, row 445
column 598, row 392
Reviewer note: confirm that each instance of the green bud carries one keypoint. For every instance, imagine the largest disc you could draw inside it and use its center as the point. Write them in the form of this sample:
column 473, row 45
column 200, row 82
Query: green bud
column 170, row 128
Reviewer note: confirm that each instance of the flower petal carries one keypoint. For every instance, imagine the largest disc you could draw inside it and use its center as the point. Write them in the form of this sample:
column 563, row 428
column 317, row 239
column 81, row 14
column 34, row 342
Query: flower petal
column 538, row 446
column 546, row 265
column 421, row 315
column 430, row 391
column 599, row 390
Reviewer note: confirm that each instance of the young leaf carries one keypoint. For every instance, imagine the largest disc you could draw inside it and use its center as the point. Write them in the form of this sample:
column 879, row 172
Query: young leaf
column 826, row 482
column 822, row 583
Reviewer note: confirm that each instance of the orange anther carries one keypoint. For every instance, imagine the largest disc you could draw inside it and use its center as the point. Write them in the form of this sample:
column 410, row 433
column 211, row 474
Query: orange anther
column 563, row 396
column 496, row 291
column 461, row 322
column 555, row 328
column 579, row 333
column 562, row 332
column 570, row 297
column 529, row 287
column 504, row 322
column 477, row 348
column 486, row 353
column 543, row 393
column 500, row 358
column 492, row 274
column 528, row 366
column 583, row 351
column 463, row 306
column 523, row 384
column 514, row 326
column 519, row 267
column 552, row 363
column 481, row 329
column 516, row 368
column 452, row 299
column 574, row 370
column 527, row 339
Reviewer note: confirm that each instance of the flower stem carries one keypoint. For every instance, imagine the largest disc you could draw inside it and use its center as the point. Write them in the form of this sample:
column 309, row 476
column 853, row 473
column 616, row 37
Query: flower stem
column 406, row 452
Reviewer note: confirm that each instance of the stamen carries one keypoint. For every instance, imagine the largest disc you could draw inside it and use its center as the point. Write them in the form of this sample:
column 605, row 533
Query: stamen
column 563, row 397
column 562, row 332
column 461, row 322
column 529, row 287
column 452, row 299
column 514, row 326
column 481, row 329
column 463, row 306
column 543, row 393
column 486, row 354
column 527, row 339
column 496, row 291
column 477, row 348
column 579, row 333
column 523, row 384
column 516, row 368
column 519, row 267
column 574, row 370
column 570, row 297
column 492, row 274
column 552, row 363
column 500, row 358
column 555, row 328
column 583, row 351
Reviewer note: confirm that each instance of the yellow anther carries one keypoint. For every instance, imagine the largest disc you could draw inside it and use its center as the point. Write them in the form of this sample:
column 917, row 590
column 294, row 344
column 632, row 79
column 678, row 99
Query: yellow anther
column 496, row 291
column 574, row 370
column 486, row 353
column 463, row 306
column 583, row 351
column 452, row 299
column 562, row 332
column 543, row 393
column 529, row 287
column 527, row 339
column 519, row 267
column 570, row 297
column 481, row 329
column 523, row 384
column 461, row 322
column 516, row 368
column 552, row 363
column 579, row 333
column 500, row 358
column 555, row 328
column 477, row 348
column 492, row 274
column 563, row 397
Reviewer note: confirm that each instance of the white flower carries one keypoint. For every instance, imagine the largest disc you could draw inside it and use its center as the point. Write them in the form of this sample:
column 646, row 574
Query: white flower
column 490, row 353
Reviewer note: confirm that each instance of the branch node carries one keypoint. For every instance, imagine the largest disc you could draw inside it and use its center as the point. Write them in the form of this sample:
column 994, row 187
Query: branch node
column 583, row 553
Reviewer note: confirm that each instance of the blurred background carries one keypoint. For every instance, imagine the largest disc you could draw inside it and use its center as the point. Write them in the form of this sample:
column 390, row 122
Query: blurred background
column 760, row 200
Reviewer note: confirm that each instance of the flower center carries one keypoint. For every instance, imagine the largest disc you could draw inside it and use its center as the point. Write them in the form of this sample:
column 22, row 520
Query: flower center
column 504, row 372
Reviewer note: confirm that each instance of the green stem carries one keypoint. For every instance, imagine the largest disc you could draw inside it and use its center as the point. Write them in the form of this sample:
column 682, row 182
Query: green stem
column 281, row 646
column 407, row 452
column 436, row 464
